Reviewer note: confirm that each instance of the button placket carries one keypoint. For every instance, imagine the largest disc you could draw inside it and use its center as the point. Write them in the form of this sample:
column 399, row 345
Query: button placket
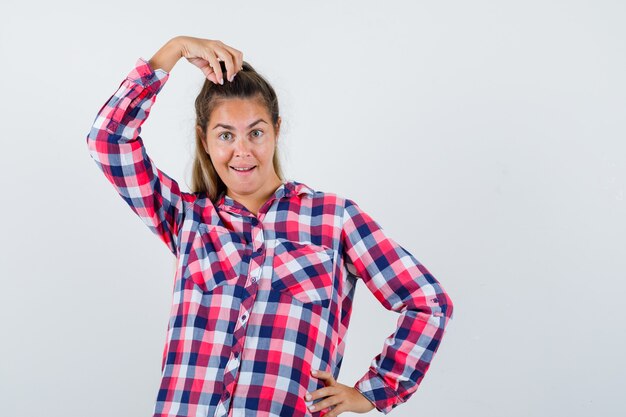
column 234, row 362
column 257, row 237
column 258, row 246
column 244, row 313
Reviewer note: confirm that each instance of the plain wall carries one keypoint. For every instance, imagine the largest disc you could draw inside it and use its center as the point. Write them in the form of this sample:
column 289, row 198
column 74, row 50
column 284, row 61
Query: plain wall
column 486, row 137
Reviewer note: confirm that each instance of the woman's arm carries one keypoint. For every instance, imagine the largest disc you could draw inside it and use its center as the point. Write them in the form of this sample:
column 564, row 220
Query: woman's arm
column 118, row 150
column 114, row 141
column 401, row 284
column 169, row 54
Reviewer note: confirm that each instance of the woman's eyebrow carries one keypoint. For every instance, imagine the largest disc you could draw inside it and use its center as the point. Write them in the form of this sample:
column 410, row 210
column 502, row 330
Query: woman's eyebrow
column 231, row 127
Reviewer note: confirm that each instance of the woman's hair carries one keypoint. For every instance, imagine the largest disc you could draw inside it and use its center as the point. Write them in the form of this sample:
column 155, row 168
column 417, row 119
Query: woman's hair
column 247, row 84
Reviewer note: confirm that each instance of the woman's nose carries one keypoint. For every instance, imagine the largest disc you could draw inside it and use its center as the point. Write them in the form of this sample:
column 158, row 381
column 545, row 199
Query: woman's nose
column 242, row 146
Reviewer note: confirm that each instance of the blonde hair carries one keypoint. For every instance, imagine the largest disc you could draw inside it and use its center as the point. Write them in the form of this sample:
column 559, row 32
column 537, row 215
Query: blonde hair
column 247, row 84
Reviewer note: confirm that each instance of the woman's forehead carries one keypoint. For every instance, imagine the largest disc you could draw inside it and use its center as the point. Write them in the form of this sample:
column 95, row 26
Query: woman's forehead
column 239, row 112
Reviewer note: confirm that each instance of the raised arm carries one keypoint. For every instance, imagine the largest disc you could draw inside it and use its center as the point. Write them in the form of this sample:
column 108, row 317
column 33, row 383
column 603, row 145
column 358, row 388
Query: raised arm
column 118, row 150
column 114, row 141
column 401, row 284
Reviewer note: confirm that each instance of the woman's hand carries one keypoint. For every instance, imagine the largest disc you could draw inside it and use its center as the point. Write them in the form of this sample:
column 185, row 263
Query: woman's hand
column 342, row 397
column 206, row 54
column 203, row 53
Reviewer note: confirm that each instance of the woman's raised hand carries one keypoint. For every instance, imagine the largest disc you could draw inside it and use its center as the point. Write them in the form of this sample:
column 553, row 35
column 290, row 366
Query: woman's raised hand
column 205, row 54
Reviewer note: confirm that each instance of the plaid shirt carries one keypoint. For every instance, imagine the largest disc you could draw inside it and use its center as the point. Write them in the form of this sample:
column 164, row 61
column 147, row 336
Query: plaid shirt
column 259, row 301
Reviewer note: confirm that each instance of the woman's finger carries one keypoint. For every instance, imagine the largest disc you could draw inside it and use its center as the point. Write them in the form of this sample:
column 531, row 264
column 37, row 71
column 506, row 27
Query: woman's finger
column 225, row 55
column 325, row 392
column 238, row 56
column 205, row 68
column 213, row 62
column 324, row 375
column 329, row 401
column 336, row 410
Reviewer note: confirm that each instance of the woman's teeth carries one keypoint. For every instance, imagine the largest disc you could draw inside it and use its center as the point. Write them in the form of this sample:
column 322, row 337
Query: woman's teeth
column 242, row 169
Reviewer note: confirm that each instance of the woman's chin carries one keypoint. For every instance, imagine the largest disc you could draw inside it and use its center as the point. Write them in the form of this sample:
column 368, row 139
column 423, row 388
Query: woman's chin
column 243, row 188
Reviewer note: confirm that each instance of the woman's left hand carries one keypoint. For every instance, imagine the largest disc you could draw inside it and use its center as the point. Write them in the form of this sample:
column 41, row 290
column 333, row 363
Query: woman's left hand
column 342, row 397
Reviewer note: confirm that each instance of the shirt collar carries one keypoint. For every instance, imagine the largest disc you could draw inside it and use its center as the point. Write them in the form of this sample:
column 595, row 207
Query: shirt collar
column 287, row 189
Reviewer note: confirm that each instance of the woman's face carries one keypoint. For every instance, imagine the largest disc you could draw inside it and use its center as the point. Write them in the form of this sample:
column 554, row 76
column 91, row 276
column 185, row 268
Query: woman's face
column 240, row 135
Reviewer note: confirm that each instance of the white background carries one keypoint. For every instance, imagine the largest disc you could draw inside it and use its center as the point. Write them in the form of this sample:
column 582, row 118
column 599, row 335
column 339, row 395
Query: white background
column 486, row 137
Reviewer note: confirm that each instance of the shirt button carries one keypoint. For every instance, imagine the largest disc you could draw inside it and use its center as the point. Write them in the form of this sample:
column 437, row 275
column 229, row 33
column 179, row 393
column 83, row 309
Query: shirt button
column 236, row 354
column 243, row 318
column 253, row 279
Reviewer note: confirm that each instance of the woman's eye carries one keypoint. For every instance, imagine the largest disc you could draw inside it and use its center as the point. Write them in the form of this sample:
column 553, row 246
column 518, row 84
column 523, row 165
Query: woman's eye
column 259, row 131
column 221, row 136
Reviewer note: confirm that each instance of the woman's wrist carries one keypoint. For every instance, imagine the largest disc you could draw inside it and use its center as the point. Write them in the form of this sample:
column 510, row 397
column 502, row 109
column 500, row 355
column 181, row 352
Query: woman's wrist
column 166, row 57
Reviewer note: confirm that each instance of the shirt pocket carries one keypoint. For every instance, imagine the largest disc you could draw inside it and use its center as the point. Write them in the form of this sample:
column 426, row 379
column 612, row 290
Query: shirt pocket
column 220, row 257
column 303, row 271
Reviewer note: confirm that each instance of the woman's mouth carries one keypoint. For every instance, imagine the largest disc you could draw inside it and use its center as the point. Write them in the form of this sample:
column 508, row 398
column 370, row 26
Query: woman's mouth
column 243, row 170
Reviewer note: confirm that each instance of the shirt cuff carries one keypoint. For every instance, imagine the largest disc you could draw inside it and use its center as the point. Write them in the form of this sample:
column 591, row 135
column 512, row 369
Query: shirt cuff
column 375, row 389
column 145, row 76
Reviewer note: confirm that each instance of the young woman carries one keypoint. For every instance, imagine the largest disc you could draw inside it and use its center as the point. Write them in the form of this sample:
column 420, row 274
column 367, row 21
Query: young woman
column 266, row 267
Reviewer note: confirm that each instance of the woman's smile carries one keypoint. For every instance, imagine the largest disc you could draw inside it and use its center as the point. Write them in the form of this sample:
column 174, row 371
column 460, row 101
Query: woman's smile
column 243, row 170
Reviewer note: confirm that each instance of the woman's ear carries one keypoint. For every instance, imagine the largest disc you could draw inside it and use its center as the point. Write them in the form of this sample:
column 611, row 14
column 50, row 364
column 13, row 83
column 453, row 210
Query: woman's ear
column 202, row 138
column 277, row 127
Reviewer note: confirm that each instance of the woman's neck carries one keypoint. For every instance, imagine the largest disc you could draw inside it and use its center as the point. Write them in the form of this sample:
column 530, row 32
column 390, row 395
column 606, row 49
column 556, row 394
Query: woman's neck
column 254, row 202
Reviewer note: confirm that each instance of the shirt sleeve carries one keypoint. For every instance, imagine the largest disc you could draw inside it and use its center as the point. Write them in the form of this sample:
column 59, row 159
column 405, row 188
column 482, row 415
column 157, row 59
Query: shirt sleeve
column 118, row 150
column 401, row 284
